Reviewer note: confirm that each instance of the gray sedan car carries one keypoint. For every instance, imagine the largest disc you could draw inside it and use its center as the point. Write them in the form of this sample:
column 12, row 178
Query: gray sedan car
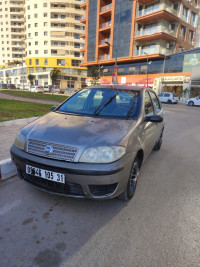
column 93, row 145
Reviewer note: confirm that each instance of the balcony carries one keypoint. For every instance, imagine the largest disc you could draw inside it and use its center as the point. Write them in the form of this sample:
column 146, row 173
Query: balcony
column 155, row 33
column 102, row 42
column 107, row 7
column 160, row 11
column 104, row 57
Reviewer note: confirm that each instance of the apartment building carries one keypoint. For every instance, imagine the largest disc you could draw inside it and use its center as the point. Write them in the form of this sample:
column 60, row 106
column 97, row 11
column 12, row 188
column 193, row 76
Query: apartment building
column 51, row 39
column 137, row 34
column 12, row 31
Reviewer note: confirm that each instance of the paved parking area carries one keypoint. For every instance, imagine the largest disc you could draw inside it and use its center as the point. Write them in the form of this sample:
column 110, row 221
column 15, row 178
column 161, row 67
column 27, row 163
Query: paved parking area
column 158, row 227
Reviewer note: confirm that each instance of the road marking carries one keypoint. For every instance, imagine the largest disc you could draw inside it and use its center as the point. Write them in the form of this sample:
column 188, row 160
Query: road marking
column 7, row 208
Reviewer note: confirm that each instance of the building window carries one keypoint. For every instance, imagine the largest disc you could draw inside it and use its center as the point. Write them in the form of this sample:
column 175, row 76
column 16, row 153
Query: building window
column 44, row 4
column 29, row 16
column 29, row 25
column 36, row 24
column 30, row 61
column 45, row 33
column 36, row 33
column 45, row 42
column 45, row 51
column 75, row 63
column 35, row 15
column 28, row 7
column 45, row 61
column 45, row 24
column 29, row 35
column 45, row 14
column 35, row 5
column 60, row 62
column 29, row 52
column 36, row 51
column 36, row 42
column 37, row 62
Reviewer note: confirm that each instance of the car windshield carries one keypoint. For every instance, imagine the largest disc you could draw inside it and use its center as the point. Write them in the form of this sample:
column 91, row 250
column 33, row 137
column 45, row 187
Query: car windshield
column 103, row 102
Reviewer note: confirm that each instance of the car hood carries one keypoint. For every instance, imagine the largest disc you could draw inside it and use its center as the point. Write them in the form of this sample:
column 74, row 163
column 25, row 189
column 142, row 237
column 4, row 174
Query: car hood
column 78, row 131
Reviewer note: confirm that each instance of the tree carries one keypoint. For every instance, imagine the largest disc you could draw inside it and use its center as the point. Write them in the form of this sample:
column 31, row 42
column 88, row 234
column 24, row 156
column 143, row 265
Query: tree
column 95, row 74
column 31, row 78
column 55, row 75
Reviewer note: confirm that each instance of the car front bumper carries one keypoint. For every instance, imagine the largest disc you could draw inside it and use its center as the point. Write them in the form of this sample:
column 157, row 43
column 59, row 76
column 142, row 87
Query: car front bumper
column 82, row 180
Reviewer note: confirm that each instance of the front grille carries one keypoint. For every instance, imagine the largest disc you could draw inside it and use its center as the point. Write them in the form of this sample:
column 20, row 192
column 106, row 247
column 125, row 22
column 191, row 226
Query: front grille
column 69, row 189
column 59, row 152
column 102, row 190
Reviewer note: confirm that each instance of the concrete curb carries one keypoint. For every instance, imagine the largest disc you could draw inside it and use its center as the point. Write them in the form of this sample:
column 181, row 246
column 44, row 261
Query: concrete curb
column 16, row 122
column 7, row 169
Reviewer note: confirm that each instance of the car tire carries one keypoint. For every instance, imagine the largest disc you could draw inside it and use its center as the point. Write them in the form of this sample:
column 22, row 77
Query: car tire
column 169, row 101
column 190, row 103
column 158, row 143
column 132, row 182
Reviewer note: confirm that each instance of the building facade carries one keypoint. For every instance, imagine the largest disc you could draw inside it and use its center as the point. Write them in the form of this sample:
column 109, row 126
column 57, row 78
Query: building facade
column 139, row 36
column 12, row 31
column 51, row 39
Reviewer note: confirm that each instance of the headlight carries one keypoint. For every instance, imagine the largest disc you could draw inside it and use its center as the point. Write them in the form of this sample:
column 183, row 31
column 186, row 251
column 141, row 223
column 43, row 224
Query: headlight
column 102, row 154
column 20, row 141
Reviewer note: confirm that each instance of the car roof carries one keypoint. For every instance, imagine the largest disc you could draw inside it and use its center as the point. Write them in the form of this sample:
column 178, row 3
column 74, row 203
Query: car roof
column 120, row 87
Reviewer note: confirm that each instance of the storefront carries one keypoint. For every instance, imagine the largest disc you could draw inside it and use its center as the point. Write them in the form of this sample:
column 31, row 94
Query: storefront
column 176, row 84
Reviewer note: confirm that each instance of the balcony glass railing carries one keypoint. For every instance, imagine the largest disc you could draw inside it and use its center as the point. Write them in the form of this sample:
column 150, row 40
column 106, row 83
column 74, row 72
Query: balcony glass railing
column 155, row 29
column 106, row 24
column 104, row 57
column 156, row 8
column 104, row 8
column 105, row 40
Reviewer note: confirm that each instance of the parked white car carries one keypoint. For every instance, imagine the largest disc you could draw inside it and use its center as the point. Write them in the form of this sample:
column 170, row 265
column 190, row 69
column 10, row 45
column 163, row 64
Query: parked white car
column 167, row 97
column 36, row 88
column 195, row 101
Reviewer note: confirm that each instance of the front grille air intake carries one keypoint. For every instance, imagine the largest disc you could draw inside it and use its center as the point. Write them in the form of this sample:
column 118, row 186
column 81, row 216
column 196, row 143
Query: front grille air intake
column 59, row 152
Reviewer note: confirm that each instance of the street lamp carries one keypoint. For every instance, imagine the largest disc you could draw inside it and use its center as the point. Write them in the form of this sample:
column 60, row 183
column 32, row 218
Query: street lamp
column 148, row 63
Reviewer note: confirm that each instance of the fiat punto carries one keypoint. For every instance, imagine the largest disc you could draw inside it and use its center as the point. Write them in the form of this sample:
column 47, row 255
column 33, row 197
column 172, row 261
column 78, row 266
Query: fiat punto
column 92, row 145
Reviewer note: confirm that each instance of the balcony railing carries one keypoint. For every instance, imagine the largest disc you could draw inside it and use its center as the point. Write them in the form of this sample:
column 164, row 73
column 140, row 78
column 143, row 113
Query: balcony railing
column 157, row 29
column 156, row 8
column 105, row 25
column 104, row 57
column 157, row 50
column 104, row 8
column 104, row 41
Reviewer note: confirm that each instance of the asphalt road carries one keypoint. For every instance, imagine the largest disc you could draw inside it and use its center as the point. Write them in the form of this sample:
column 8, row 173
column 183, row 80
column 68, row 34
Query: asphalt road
column 158, row 227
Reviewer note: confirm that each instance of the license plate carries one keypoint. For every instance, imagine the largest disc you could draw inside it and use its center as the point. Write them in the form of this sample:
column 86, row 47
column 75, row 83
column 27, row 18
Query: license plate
column 45, row 174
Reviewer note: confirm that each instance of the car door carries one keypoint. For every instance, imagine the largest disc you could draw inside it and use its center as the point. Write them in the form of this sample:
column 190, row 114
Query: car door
column 158, row 111
column 197, row 101
column 149, row 129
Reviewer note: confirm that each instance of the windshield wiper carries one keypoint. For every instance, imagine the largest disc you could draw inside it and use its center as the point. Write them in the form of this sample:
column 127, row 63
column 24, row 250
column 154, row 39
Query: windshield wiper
column 99, row 109
column 130, row 110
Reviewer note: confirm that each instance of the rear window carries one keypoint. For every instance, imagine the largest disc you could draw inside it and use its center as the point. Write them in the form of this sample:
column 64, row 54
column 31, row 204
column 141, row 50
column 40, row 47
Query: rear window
column 175, row 95
column 166, row 95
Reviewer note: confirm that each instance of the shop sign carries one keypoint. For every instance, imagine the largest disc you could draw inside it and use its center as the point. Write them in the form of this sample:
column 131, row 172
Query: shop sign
column 173, row 79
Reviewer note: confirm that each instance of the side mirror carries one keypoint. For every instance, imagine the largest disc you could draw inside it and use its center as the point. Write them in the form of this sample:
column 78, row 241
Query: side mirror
column 154, row 118
column 53, row 108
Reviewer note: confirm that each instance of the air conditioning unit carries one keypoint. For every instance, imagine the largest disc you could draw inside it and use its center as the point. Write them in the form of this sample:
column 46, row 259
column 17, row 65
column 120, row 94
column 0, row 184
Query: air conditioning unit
column 167, row 45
